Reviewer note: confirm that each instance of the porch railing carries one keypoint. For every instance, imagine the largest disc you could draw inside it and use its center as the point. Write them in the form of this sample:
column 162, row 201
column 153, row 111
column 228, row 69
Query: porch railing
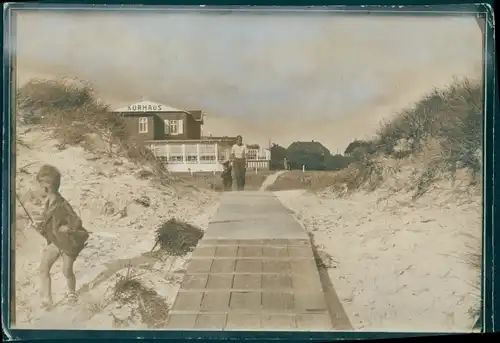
column 201, row 153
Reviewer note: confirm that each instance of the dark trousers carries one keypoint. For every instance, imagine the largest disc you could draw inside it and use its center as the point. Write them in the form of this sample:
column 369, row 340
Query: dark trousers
column 239, row 172
column 228, row 184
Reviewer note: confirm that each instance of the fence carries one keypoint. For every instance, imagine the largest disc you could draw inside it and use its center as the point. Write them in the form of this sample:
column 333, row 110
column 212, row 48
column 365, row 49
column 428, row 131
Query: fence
column 199, row 157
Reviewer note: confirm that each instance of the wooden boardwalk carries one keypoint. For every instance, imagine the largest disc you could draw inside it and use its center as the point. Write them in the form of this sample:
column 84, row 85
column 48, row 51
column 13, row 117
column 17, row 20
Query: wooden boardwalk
column 253, row 270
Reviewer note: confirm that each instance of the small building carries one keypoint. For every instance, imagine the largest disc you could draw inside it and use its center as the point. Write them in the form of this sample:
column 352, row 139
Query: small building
column 175, row 137
column 310, row 155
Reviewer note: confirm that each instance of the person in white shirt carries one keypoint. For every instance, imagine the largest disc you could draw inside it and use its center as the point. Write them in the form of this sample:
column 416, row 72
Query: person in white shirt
column 239, row 159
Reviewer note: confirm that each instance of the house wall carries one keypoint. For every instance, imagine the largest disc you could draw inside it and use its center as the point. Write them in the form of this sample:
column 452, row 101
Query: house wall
column 132, row 123
column 193, row 128
column 160, row 126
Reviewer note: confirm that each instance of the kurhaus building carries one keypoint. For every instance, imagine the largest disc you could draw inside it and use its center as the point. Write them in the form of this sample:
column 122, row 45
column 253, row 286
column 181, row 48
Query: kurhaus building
column 175, row 137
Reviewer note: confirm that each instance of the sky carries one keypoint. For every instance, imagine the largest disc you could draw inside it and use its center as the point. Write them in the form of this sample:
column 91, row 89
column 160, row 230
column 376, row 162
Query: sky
column 274, row 76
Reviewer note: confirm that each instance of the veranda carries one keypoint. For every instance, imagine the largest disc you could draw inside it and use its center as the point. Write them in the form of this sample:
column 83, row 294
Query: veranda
column 203, row 156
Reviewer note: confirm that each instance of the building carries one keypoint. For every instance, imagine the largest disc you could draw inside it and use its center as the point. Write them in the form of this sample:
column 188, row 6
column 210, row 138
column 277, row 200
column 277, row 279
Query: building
column 175, row 137
column 150, row 121
column 309, row 155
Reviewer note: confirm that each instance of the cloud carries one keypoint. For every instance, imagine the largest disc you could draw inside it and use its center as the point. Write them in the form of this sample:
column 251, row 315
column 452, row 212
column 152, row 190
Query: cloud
column 283, row 77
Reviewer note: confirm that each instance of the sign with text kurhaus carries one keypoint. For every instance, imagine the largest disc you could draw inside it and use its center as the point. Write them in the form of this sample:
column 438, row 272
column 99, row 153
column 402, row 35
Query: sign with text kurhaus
column 144, row 108
column 147, row 106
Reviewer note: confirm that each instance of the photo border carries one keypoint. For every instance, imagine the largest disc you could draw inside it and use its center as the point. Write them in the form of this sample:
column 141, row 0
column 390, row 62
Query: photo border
column 489, row 291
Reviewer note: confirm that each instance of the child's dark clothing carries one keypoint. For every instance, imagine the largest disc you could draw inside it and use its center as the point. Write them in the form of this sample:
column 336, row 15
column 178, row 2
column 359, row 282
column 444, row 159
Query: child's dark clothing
column 57, row 214
column 227, row 178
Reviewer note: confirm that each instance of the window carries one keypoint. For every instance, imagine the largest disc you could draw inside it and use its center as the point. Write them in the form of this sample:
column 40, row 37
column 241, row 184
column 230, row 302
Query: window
column 173, row 127
column 175, row 159
column 207, row 159
column 143, row 125
column 252, row 154
column 191, row 158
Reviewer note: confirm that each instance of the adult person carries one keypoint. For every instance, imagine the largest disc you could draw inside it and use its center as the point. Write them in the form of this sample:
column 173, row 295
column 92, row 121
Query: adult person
column 239, row 159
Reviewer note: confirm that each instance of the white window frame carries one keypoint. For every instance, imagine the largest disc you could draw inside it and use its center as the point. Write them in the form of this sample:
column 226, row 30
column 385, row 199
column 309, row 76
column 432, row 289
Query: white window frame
column 174, row 124
column 143, row 125
column 166, row 127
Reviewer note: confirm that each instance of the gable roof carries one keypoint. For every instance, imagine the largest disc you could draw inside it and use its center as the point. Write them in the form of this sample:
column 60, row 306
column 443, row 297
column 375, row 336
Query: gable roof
column 197, row 114
column 145, row 106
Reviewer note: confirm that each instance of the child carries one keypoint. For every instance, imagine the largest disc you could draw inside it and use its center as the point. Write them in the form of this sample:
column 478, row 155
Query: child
column 227, row 177
column 63, row 230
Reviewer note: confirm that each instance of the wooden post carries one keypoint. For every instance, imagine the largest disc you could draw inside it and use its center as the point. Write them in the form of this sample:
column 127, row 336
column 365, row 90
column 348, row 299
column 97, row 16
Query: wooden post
column 184, row 154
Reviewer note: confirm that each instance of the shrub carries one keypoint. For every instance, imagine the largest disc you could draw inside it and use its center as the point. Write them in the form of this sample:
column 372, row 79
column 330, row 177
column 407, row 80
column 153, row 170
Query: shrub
column 177, row 238
column 413, row 125
column 150, row 306
column 453, row 116
column 71, row 108
column 337, row 162
column 357, row 145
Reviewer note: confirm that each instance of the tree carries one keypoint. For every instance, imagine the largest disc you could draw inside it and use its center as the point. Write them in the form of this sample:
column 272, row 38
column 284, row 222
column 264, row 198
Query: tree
column 337, row 162
column 367, row 147
column 278, row 155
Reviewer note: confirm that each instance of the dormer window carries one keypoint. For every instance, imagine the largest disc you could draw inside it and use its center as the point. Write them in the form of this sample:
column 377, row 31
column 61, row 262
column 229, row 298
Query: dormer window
column 173, row 127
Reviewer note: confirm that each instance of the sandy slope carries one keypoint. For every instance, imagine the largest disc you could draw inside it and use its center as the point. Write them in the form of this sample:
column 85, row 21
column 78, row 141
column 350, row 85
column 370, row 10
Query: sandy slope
column 399, row 265
column 270, row 180
column 104, row 191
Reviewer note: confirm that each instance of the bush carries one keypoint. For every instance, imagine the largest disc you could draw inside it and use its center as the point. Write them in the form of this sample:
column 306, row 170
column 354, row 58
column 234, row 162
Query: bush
column 414, row 125
column 71, row 108
column 360, row 145
column 151, row 307
column 454, row 117
column 337, row 162
column 177, row 238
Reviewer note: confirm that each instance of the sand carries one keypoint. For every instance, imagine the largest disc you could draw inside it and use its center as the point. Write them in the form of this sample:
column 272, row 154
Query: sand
column 397, row 265
column 121, row 209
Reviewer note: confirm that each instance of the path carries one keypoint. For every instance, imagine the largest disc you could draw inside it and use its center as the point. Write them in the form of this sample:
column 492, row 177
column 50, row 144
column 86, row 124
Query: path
column 271, row 179
column 253, row 270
